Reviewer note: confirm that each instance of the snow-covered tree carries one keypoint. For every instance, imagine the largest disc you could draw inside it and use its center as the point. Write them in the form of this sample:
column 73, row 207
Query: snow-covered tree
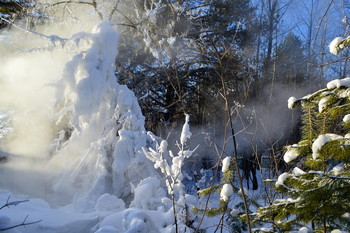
column 316, row 191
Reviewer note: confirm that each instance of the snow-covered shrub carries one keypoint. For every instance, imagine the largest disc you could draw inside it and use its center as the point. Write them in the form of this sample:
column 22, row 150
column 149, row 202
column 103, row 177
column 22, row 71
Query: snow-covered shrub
column 181, row 203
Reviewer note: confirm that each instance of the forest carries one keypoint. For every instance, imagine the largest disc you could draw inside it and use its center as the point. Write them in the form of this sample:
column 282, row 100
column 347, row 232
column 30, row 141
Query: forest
column 174, row 116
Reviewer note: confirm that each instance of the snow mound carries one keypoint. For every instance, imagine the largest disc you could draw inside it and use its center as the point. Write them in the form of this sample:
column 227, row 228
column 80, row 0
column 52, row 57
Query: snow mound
column 108, row 202
column 148, row 194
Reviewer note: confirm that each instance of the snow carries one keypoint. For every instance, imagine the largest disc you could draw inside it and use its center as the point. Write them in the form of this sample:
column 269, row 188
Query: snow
column 163, row 146
column 282, row 178
column 298, row 172
column 226, row 192
column 108, row 202
column 107, row 229
column 337, row 169
column 136, row 221
column 317, row 145
column 291, row 102
column 337, row 231
column 346, row 118
column 226, row 164
column 336, row 83
column 235, row 212
column 304, row 230
column 333, row 136
column 245, row 191
column 171, row 40
column 148, row 194
column 333, row 46
column 5, row 221
column 185, row 133
column 291, row 154
column 52, row 220
column 322, row 104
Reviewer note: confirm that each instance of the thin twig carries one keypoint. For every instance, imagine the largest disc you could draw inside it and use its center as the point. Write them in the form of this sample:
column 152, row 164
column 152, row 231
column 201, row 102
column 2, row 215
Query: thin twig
column 24, row 223
column 12, row 203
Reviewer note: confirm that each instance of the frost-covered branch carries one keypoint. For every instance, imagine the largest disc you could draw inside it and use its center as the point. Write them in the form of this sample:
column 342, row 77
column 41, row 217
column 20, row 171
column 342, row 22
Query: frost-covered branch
column 173, row 173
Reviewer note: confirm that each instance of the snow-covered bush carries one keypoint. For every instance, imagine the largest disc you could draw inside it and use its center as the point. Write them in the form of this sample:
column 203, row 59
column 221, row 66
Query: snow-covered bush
column 181, row 203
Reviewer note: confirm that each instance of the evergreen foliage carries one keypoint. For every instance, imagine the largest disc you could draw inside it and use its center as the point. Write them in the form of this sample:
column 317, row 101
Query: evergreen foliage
column 318, row 188
column 11, row 10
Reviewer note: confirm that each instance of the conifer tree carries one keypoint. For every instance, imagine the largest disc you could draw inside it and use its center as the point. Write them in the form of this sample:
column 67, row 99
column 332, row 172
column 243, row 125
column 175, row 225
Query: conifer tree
column 316, row 192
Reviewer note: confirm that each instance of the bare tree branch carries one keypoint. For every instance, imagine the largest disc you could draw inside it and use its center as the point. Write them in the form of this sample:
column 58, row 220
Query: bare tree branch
column 24, row 223
column 12, row 203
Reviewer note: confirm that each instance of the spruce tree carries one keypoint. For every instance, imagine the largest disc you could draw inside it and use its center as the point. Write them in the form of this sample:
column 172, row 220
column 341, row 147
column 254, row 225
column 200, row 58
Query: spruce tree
column 316, row 192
